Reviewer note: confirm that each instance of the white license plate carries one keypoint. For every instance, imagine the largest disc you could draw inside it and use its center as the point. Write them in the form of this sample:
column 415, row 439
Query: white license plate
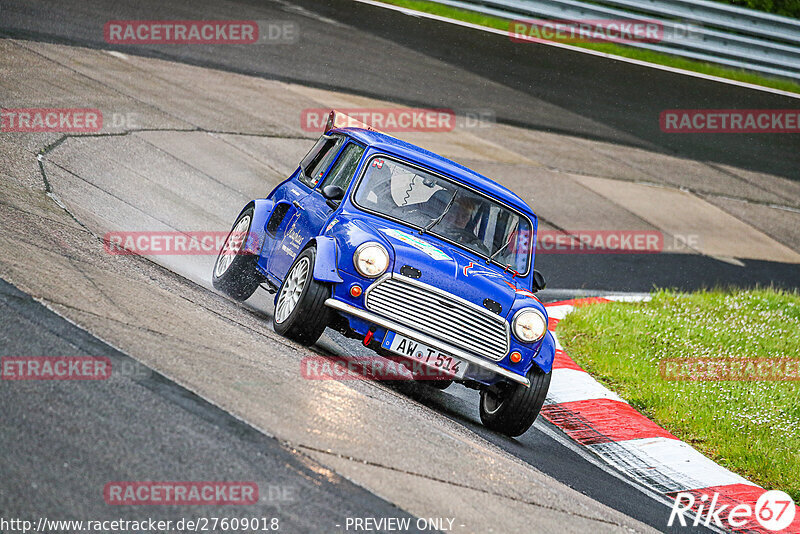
column 435, row 359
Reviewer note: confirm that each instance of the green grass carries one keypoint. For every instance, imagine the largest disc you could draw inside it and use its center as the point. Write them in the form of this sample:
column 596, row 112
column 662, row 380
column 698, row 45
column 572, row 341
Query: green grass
column 608, row 48
column 752, row 428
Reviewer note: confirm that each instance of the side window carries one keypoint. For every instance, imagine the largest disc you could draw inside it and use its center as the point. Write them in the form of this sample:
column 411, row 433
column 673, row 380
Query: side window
column 345, row 167
column 318, row 159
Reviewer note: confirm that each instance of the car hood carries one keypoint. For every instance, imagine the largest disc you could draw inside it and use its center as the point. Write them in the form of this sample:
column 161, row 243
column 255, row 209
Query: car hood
column 448, row 267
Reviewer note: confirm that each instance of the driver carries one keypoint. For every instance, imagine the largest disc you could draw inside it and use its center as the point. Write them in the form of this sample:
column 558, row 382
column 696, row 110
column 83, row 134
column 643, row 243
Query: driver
column 459, row 222
column 461, row 212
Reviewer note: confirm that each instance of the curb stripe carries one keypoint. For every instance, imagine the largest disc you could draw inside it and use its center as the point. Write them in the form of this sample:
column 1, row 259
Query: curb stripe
column 611, row 420
column 563, row 361
column 558, row 311
column 734, row 495
column 569, row 385
column 670, row 464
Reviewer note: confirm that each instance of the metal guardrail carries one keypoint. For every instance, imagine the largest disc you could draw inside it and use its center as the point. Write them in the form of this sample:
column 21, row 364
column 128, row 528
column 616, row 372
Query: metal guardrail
column 695, row 29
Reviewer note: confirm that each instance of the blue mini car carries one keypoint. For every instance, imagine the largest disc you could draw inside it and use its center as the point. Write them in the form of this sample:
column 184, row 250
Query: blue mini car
column 412, row 254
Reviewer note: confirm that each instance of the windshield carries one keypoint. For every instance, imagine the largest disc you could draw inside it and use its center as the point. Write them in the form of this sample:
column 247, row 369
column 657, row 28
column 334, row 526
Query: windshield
column 447, row 210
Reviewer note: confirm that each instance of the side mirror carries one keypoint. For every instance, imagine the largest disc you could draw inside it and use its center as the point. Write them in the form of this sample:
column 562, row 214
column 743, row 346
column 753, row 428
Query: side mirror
column 539, row 282
column 333, row 195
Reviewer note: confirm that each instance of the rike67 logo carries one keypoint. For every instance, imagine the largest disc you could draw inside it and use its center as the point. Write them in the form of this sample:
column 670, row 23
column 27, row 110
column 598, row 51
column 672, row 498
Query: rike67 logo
column 773, row 511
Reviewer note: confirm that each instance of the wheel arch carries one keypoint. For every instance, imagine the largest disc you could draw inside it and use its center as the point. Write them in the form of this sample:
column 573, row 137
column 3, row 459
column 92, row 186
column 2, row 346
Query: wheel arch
column 547, row 353
column 262, row 209
column 326, row 267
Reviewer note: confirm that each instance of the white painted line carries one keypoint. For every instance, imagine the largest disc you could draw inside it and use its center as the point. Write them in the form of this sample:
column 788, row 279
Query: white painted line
column 667, row 464
column 639, row 62
column 116, row 54
column 628, row 298
column 557, row 434
column 560, row 311
column 569, row 385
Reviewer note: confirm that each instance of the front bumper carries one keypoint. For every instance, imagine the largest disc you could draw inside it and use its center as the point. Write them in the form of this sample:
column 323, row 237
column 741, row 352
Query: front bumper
column 424, row 338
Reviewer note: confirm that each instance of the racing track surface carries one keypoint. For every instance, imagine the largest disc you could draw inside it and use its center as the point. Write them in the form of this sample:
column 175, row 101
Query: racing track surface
column 172, row 175
column 359, row 48
column 224, row 352
column 139, row 425
column 368, row 50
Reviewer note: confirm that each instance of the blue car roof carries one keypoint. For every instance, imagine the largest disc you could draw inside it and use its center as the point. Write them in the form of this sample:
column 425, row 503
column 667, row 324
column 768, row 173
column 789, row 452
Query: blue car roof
column 387, row 143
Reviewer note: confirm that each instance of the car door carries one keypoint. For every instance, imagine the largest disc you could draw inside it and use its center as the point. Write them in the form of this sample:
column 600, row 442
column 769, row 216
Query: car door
column 288, row 228
column 307, row 215
column 343, row 170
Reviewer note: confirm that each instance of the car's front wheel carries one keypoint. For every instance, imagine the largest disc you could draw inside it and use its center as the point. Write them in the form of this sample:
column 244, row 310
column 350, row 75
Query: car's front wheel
column 235, row 273
column 300, row 311
column 511, row 408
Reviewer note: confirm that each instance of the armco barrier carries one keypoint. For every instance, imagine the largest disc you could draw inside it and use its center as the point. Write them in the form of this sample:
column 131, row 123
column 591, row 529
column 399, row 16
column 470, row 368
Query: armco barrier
column 695, row 29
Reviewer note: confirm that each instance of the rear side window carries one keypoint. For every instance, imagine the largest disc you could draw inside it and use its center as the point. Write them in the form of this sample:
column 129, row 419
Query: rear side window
column 345, row 167
column 319, row 159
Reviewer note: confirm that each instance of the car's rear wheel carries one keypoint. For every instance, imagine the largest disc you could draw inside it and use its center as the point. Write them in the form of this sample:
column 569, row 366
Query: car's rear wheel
column 511, row 408
column 235, row 273
column 300, row 311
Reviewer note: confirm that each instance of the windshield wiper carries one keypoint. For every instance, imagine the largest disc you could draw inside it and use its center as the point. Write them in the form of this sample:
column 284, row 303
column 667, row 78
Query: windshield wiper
column 438, row 219
column 498, row 251
column 501, row 249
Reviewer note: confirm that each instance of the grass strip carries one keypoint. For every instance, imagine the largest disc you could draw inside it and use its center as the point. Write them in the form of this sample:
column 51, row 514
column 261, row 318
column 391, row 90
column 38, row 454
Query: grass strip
column 750, row 427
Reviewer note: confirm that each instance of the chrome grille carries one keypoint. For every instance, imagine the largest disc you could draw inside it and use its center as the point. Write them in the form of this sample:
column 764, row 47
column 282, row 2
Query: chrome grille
column 440, row 314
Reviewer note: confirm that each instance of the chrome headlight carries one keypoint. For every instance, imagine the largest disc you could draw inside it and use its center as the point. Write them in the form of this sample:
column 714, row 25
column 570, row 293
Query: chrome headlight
column 371, row 259
column 529, row 325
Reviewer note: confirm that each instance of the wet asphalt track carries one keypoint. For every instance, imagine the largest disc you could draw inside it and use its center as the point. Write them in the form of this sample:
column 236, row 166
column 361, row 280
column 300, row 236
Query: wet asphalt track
column 62, row 441
column 359, row 48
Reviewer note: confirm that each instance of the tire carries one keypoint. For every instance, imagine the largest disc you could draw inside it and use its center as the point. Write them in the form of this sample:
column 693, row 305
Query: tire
column 235, row 274
column 511, row 408
column 304, row 317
